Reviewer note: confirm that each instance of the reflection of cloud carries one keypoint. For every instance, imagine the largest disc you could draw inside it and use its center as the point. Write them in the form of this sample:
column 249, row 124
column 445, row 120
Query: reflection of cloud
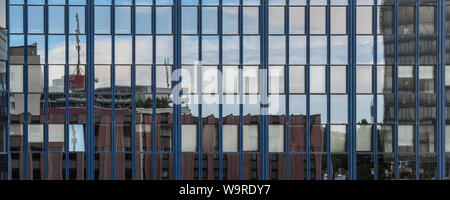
column 277, row 49
column 56, row 50
column 251, row 50
column 276, row 19
column 297, row 50
column 230, row 49
column 364, row 50
column 339, row 50
column 318, row 48
column 210, row 49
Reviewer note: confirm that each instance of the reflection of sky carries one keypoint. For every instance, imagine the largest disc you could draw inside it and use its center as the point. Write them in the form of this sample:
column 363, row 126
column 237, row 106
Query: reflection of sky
column 143, row 20
column 277, row 49
column 318, row 105
column 189, row 20
column 363, row 108
column 79, row 130
column 230, row 20
column 297, row 50
column 251, row 49
column 318, row 54
column 317, row 79
column 364, row 50
column 297, row 104
column 276, row 20
column 209, row 20
column 339, row 50
column 251, row 20
column 123, row 20
column 338, row 109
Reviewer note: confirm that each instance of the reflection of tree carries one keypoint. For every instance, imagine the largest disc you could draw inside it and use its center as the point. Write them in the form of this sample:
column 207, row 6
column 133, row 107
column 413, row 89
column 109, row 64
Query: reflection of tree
column 161, row 102
column 364, row 121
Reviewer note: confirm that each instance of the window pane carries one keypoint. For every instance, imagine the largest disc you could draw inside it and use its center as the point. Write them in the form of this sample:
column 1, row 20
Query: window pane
column 385, row 19
column 277, row 50
column 338, row 79
column 209, row 20
column 297, row 50
column 364, row 20
column 338, row 109
column 56, row 49
column 318, row 107
column 56, row 78
column 276, row 79
column 210, row 49
column 251, row 20
column 339, row 50
column 338, row 138
column 318, row 54
column 251, row 50
column 144, row 53
column 164, row 20
column 230, row 50
column 338, row 20
column 102, row 77
column 56, row 137
column 230, row 20
column 143, row 79
column 426, row 79
column 385, row 79
column 251, row 138
column 230, row 79
column 123, row 20
column 250, row 78
column 426, row 20
column 427, row 139
column 122, row 79
column 16, row 19
column 76, row 12
column 164, row 49
column 276, row 138
column 35, row 19
column 364, row 50
column 406, row 138
column 364, row 79
column 318, row 83
column 36, row 137
column 123, row 50
column 364, row 104
column 210, row 79
column 406, row 79
column 297, row 79
column 189, row 20
column 297, row 20
column 189, row 51
column 16, row 78
column 385, row 138
column 102, row 50
column 56, row 19
column 406, row 19
column 74, row 57
column 318, row 20
column 230, row 138
column 102, row 20
column 276, row 20
column 35, row 78
column 189, row 138
column 143, row 20
column 364, row 138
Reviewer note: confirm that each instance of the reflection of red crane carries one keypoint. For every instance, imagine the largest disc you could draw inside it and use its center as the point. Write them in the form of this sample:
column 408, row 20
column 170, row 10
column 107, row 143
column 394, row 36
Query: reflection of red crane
column 77, row 77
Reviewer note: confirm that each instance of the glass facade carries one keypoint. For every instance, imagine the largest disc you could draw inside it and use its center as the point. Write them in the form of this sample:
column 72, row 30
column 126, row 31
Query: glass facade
column 224, row 89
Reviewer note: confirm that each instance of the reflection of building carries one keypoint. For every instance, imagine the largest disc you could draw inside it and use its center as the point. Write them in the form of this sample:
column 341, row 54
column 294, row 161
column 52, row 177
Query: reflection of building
column 3, row 104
